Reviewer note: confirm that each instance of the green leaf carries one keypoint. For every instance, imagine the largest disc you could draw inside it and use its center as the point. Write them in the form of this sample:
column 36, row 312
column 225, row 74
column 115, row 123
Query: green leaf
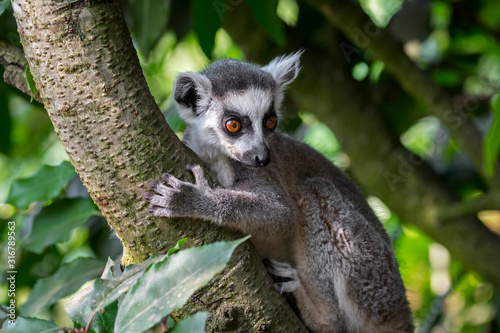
column 192, row 324
column 150, row 18
column 46, row 184
column 79, row 311
column 68, row 278
column 108, row 270
column 266, row 15
column 177, row 246
column 207, row 17
column 167, row 285
column 107, row 291
column 55, row 222
column 491, row 143
column 31, row 82
column 23, row 325
column 4, row 4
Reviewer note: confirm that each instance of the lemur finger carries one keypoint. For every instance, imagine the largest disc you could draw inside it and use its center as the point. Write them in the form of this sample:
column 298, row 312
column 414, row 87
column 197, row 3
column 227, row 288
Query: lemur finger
column 160, row 200
column 282, row 269
column 171, row 180
column 199, row 176
column 286, row 287
column 158, row 188
column 159, row 211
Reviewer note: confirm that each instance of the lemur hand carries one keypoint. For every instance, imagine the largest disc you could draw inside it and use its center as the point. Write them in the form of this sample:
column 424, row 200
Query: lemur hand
column 178, row 198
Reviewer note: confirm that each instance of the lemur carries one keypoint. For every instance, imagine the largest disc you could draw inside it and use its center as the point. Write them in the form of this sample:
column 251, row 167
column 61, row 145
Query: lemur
column 305, row 215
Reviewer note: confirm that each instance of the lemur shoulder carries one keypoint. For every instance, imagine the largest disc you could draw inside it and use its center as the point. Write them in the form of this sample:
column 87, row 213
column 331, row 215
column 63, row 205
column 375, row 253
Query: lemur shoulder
column 305, row 215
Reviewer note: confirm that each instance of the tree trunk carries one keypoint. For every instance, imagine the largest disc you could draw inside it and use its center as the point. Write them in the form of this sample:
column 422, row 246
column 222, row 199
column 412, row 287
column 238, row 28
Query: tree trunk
column 89, row 79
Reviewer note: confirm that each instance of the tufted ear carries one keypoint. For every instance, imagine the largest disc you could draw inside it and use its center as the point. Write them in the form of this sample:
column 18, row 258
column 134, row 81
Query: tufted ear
column 284, row 69
column 192, row 91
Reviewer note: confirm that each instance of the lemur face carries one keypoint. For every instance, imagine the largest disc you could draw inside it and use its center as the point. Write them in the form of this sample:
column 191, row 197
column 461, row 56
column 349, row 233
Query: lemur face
column 231, row 107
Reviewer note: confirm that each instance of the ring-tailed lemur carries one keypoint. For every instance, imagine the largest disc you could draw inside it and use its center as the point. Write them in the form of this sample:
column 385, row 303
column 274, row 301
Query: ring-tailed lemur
column 303, row 213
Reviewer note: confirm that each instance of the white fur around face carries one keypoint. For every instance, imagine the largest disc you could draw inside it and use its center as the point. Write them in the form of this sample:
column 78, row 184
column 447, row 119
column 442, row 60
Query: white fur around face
column 253, row 103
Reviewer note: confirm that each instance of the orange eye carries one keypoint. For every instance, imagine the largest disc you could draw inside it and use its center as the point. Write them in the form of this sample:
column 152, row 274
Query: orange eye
column 271, row 122
column 233, row 126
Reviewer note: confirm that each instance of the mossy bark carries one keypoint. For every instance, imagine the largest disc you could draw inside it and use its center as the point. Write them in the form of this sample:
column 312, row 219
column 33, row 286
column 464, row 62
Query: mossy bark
column 89, row 79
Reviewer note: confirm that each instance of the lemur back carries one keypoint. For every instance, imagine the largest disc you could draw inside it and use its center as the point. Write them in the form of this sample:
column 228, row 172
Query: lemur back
column 305, row 216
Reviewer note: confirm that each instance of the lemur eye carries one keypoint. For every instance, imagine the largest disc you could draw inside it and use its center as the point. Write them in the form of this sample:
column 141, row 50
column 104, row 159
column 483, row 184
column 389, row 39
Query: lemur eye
column 271, row 122
column 233, row 125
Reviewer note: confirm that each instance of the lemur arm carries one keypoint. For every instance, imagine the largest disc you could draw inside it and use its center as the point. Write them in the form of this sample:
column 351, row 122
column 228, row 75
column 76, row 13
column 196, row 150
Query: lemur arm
column 249, row 211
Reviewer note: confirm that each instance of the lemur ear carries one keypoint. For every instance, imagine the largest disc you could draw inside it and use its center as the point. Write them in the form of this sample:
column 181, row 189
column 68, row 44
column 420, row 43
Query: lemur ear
column 191, row 90
column 285, row 69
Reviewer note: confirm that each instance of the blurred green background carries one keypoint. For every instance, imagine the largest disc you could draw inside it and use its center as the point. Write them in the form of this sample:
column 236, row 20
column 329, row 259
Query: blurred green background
column 456, row 42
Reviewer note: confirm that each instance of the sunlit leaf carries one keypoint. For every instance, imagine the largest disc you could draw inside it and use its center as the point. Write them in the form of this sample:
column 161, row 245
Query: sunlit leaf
column 46, row 184
column 65, row 281
column 150, row 18
column 207, row 18
column 167, row 286
column 24, row 325
column 192, row 324
column 55, row 222
column 491, row 144
column 265, row 13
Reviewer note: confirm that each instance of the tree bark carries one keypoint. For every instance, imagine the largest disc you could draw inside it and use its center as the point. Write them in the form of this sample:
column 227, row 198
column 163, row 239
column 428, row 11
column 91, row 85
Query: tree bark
column 89, row 79
column 379, row 163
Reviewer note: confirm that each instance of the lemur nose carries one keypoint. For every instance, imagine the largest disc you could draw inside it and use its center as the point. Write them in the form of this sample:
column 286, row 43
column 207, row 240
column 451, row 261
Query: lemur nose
column 262, row 161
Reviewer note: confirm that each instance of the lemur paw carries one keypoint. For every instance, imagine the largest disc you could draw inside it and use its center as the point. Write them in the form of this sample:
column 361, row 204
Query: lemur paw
column 177, row 197
column 287, row 276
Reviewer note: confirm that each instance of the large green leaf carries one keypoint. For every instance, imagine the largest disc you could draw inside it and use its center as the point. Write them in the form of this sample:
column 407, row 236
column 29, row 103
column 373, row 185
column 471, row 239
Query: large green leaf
column 167, row 285
column 45, row 184
column 192, row 324
column 24, row 325
column 79, row 311
column 55, row 222
column 107, row 289
column 207, row 18
column 68, row 278
column 4, row 4
column 491, row 144
column 265, row 13
column 150, row 19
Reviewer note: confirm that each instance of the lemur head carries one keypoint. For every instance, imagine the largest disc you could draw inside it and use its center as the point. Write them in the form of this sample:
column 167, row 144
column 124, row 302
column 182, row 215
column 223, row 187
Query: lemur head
column 232, row 107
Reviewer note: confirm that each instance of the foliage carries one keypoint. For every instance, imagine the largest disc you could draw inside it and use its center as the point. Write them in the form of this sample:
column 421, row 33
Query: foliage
column 60, row 237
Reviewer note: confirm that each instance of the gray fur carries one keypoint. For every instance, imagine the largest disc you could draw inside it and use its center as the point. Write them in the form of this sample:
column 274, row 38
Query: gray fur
column 303, row 213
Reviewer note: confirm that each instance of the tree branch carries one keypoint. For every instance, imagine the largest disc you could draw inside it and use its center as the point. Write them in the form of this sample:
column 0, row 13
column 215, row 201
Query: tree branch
column 357, row 26
column 88, row 75
column 489, row 201
column 13, row 60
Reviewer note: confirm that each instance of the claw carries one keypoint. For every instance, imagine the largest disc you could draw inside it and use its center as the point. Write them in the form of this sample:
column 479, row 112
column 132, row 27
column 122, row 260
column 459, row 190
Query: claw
column 151, row 208
column 153, row 185
column 148, row 195
column 165, row 177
